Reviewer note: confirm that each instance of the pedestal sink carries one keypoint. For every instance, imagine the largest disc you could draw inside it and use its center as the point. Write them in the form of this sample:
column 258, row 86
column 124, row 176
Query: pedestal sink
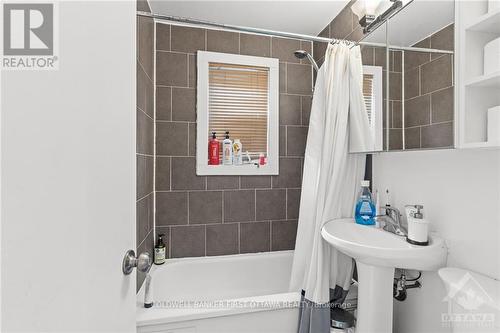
column 377, row 253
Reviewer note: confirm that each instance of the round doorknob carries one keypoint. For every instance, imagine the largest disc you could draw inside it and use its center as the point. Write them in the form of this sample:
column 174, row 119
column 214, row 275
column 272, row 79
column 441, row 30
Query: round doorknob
column 142, row 262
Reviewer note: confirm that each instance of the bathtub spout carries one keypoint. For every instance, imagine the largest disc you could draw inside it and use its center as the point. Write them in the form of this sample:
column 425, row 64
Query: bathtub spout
column 148, row 291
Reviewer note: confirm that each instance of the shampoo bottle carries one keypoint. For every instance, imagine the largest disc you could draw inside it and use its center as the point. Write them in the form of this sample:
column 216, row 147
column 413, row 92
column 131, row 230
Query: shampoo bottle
column 365, row 207
column 227, row 151
column 237, row 152
column 213, row 150
column 160, row 250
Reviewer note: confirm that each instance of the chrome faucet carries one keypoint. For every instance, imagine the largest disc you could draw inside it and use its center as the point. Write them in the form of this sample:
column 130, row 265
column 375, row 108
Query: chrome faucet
column 392, row 221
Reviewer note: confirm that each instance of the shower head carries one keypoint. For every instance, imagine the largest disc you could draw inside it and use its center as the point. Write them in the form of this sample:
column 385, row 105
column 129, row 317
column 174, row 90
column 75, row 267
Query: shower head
column 301, row 54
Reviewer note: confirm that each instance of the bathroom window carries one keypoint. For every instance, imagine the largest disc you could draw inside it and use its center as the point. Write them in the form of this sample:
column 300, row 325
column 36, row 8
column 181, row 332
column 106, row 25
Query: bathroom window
column 237, row 94
column 373, row 98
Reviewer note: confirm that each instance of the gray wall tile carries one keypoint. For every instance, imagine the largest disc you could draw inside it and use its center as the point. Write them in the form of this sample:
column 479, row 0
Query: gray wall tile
column 187, row 39
column 290, row 110
column 223, row 41
column 163, row 37
column 443, row 39
column 192, row 70
column 283, row 235
column 414, row 59
column 184, row 104
column 255, row 237
column 442, row 105
column 188, row 241
column 171, row 69
column 341, row 26
column 171, row 208
column 144, row 175
column 162, row 173
column 145, row 134
column 395, row 139
column 223, row 182
column 222, row 239
column 437, row 135
column 205, row 207
column 306, row 109
column 163, row 103
column 282, row 143
column 283, row 48
column 255, row 181
column 184, row 174
column 282, row 77
column 412, row 137
column 418, row 111
column 270, row 204
column 290, row 173
column 192, row 139
column 296, row 140
column 292, row 203
column 367, row 55
column 437, row 74
column 255, row 45
column 144, row 217
column 172, row 138
column 412, row 83
column 298, row 79
column 239, row 206
column 145, row 33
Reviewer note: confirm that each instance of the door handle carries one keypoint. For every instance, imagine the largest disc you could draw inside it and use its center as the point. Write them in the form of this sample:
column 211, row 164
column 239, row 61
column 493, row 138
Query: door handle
column 142, row 262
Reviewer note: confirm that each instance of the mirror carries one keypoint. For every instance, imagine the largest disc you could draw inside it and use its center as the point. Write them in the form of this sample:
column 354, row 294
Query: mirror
column 418, row 72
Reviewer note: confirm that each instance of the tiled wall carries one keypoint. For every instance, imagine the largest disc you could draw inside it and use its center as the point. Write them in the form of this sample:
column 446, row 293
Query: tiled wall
column 145, row 135
column 428, row 84
column 429, row 93
column 218, row 215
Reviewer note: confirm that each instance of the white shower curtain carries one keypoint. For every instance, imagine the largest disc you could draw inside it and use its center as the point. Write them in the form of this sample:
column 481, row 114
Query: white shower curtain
column 330, row 183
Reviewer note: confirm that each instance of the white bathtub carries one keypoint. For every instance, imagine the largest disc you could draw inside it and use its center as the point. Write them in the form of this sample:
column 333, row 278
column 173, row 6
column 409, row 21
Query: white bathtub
column 252, row 290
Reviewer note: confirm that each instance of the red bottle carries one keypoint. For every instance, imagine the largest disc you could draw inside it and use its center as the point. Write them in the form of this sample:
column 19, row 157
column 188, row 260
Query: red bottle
column 213, row 150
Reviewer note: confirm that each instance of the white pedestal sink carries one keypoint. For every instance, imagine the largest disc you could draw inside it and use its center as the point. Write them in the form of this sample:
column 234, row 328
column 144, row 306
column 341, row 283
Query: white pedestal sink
column 377, row 253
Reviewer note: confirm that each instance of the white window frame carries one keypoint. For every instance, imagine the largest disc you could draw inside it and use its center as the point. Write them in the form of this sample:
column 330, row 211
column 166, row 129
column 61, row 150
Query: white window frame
column 376, row 125
column 272, row 164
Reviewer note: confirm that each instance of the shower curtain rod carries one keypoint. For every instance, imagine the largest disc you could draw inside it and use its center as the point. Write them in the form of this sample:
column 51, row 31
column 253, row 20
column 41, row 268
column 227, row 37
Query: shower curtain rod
column 186, row 20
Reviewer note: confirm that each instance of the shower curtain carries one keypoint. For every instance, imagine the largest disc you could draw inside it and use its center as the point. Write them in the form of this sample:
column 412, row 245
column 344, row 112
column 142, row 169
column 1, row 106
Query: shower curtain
column 329, row 187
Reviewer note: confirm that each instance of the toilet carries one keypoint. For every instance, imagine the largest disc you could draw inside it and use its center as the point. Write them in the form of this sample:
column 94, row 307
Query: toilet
column 473, row 301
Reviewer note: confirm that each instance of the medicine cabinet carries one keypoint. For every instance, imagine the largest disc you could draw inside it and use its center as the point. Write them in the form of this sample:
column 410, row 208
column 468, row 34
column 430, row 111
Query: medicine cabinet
column 237, row 103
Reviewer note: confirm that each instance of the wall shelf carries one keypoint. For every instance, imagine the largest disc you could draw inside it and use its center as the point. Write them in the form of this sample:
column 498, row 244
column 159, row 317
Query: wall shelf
column 486, row 23
column 485, row 81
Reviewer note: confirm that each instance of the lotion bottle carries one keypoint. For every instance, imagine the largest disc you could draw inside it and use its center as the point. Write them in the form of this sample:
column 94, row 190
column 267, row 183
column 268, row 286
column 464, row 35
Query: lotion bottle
column 227, row 151
column 237, row 152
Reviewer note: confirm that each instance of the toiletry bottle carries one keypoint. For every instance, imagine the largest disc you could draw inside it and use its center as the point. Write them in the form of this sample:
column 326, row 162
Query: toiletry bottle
column 365, row 207
column 237, row 152
column 418, row 227
column 262, row 159
column 160, row 250
column 227, row 151
column 213, row 150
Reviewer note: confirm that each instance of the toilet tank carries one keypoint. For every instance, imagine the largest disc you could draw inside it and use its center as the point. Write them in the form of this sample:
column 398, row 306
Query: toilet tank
column 473, row 301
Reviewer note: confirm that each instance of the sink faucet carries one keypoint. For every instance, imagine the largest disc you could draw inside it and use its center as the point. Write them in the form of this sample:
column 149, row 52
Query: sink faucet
column 392, row 221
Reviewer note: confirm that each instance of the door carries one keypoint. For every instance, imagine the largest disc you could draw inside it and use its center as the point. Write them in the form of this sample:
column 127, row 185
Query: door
column 68, row 177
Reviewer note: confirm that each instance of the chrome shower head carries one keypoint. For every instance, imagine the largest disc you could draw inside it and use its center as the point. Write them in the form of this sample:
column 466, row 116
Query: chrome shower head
column 301, row 54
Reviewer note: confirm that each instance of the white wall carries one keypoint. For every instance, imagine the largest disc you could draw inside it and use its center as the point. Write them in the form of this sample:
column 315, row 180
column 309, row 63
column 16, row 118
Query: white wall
column 460, row 191
column 68, row 178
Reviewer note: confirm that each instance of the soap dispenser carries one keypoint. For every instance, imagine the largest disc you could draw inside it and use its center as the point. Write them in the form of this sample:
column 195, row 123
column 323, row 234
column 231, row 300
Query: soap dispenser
column 418, row 227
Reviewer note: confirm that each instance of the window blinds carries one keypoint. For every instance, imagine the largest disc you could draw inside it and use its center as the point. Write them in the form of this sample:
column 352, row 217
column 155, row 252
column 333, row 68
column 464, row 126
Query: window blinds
column 238, row 102
column 369, row 95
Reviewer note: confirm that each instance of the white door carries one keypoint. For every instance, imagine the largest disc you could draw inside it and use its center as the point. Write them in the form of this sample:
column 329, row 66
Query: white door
column 68, row 178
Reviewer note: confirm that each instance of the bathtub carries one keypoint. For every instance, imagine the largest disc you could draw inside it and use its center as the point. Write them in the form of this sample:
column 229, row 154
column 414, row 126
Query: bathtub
column 235, row 293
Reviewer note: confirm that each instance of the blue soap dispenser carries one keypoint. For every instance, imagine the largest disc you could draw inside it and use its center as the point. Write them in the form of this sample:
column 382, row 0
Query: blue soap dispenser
column 365, row 207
